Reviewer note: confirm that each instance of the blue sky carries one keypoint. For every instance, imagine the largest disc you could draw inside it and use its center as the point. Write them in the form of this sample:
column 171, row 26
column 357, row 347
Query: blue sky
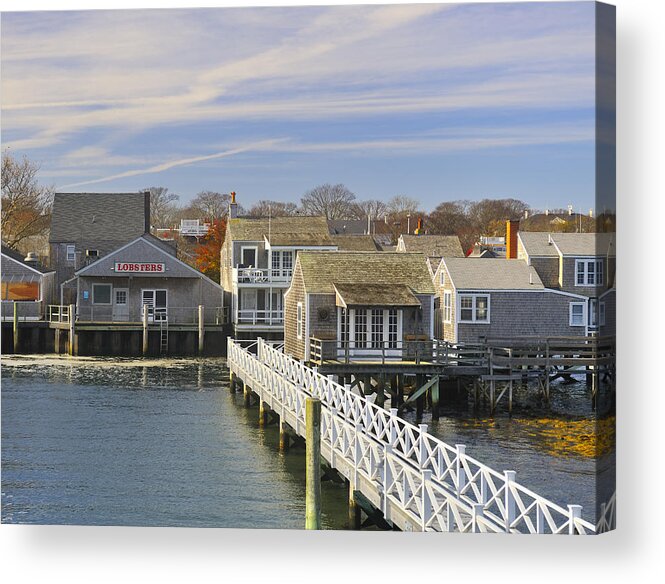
column 432, row 101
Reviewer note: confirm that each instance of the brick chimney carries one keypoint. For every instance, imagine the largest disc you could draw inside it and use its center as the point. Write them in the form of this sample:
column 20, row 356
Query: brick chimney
column 146, row 211
column 512, row 227
column 233, row 206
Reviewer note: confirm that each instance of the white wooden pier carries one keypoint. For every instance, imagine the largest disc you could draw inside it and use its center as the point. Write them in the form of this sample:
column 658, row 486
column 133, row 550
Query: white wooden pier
column 417, row 481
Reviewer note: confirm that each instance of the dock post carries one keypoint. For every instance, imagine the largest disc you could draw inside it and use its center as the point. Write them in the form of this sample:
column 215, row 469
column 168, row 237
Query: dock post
column 313, row 463
column 283, row 436
column 435, row 401
column 15, row 330
column 354, row 509
column 232, row 383
column 73, row 348
column 247, row 395
column 510, row 396
column 263, row 413
column 145, row 330
column 380, row 393
column 201, row 328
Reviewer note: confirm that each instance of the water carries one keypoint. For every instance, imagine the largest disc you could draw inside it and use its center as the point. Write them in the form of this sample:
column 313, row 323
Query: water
column 163, row 443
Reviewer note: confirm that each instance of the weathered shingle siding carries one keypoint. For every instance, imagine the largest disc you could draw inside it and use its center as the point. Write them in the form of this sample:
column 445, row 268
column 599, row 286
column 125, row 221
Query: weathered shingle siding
column 515, row 314
column 547, row 270
column 319, row 327
column 292, row 345
column 610, row 314
column 448, row 327
column 183, row 297
column 226, row 266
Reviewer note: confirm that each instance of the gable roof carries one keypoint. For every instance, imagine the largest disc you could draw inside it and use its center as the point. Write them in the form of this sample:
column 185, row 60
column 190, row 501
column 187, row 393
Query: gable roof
column 537, row 244
column 146, row 248
column 19, row 258
column 433, row 245
column 492, row 274
column 322, row 270
column 98, row 217
column 374, row 295
column 355, row 243
column 286, row 230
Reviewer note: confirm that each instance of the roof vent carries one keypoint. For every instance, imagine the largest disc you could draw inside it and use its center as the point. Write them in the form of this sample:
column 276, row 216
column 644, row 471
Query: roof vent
column 530, row 278
column 549, row 239
column 31, row 258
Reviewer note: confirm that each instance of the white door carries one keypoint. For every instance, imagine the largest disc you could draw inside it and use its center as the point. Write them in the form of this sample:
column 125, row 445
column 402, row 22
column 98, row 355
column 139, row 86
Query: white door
column 248, row 303
column 120, row 304
column 156, row 300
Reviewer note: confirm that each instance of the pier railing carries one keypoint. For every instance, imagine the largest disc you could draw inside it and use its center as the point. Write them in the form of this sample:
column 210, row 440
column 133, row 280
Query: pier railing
column 181, row 315
column 26, row 310
column 417, row 480
column 59, row 313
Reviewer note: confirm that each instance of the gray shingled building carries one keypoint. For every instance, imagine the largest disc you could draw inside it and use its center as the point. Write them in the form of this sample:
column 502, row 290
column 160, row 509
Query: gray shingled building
column 87, row 226
column 368, row 302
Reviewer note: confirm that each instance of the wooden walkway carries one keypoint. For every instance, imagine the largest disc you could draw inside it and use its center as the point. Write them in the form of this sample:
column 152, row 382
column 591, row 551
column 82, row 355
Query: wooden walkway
column 418, row 483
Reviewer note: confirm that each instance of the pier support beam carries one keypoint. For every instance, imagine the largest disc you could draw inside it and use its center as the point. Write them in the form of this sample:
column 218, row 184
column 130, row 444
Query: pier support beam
column 435, row 401
column 15, row 328
column 354, row 509
column 263, row 413
column 201, row 328
column 283, row 436
column 313, row 463
column 232, row 383
column 145, row 330
column 73, row 344
column 247, row 395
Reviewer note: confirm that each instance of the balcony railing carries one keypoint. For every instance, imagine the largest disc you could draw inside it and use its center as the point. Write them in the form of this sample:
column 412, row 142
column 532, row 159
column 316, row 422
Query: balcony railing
column 260, row 317
column 261, row 275
column 182, row 315
column 25, row 310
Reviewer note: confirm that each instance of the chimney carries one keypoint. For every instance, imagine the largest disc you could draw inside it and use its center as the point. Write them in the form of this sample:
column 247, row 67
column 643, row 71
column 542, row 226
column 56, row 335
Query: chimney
column 512, row 227
column 420, row 226
column 233, row 206
column 31, row 259
column 146, row 211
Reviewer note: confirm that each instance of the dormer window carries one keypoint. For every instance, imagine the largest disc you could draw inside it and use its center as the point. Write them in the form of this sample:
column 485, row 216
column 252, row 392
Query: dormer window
column 71, row 253
column 588, row 272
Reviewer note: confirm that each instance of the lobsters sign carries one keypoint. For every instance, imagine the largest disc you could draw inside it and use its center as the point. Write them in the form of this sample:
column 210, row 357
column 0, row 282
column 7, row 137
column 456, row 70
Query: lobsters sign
column 126, row 267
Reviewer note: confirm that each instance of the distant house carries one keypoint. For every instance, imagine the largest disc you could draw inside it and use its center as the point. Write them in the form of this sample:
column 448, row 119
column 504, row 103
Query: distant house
column 432, row 246
column 145, row 271
column 26, row 281
column 355, row 243
column 498, row 298
column 257, row 261
column 87, row 226
column 579, row 263
column 363, row 302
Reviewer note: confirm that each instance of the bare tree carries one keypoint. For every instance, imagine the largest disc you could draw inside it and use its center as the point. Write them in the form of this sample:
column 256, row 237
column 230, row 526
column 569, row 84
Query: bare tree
column 163, row 207
column 333, row 201
column 490, row 215
column 374, row 209
column 401, row 205
column 26, row 205
column 265, row 208
column 211, row 205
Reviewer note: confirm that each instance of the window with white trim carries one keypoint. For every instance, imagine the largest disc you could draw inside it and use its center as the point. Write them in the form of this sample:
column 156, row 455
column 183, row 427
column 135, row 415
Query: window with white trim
column 101, row 293
column 71, row 253
column 474, row 308
column 588, row 272
column 393, row 328
column 596, row 313
column 376, row 328
column 447, row 306
column 360, row 328
column 299, row 327
column 576, row 315
column 287, row 263
column 442, row 278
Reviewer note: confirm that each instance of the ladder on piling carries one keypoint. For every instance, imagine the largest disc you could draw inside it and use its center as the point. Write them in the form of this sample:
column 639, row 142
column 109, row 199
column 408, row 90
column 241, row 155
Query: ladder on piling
column 163, row 335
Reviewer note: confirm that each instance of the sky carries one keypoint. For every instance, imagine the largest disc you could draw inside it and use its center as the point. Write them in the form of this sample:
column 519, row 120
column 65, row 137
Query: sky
column 432, row 101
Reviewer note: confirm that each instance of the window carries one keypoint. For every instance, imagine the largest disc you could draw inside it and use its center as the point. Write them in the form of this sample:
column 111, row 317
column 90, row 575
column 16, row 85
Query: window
column 393, row 328
column 377, row 328
column 274, row 263
column 442, row 278
column 248, row 255
column 474, row 307
column 360, row 328
column 287, row 263
column 576, row 314
column 121, row 297
column 299, row 327
column 447, row 306
column 101, row 293
column 344, row 326
column 596, row 313
column 588, row 272
column 71, row 253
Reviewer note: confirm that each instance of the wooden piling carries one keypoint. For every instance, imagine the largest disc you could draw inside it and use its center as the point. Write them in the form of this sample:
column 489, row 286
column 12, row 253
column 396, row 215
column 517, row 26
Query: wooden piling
column 435, row 401
column 73, row 345
column 380, row 393
column 354, row 509
column 201, row 328
column 263, row 413
column 145, row 330
column 15, row 328
column 313, row 463
column 232, row 383
column 247, row 395
column 283, row 436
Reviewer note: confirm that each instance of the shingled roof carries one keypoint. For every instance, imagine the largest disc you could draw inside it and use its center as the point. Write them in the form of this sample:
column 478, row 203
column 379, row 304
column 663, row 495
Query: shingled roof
column 323, row 270
column 355, row 243
column 433, row 245
column 492, row 274
column 537, row 244
column 98, row 217
column 297, row 230
column 375, row 295
column 20, row 258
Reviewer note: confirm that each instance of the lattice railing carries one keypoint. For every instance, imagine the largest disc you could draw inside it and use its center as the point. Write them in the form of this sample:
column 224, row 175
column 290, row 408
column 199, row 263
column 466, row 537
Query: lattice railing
column 436, row 485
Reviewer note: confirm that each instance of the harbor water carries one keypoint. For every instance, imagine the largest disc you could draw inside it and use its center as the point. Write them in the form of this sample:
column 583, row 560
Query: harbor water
column 94, row 441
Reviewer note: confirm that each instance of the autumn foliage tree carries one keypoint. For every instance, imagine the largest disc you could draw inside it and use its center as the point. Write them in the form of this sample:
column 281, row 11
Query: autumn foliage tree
column 208, row 251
